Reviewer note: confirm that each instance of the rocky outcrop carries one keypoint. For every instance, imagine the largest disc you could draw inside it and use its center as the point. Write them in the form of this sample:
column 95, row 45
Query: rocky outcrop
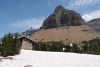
column 62, row 17
column 28, row 66
column 28, row 32
column 95, row 24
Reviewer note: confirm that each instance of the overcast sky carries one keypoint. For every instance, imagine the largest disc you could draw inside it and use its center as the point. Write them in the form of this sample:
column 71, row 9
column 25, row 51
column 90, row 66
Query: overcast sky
column 20, row 15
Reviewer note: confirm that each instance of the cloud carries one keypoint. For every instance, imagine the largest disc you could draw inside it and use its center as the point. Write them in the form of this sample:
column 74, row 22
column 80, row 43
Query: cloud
column 27, row 23
column 49, row 3
column 92, row 15
column 76, row 4
column 85, row 6
column 63, row 0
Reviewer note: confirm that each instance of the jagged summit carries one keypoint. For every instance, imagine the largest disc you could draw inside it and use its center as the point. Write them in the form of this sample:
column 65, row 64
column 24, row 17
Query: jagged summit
column 59, row 8
column 62, row 17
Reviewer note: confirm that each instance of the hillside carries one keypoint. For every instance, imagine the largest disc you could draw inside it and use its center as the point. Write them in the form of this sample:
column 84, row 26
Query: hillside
column 95, row 24
column 51, row 59
column 66, row 34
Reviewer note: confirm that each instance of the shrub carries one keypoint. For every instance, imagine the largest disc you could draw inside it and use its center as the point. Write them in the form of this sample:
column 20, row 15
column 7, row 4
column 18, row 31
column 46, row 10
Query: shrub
column 92, row 46
column 49, row 46
column 88, row 47
column 10, row 45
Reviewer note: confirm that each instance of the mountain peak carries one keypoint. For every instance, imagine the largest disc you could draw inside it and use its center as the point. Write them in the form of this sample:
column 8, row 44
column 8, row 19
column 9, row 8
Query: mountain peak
column 59, row 8
column 62, row 17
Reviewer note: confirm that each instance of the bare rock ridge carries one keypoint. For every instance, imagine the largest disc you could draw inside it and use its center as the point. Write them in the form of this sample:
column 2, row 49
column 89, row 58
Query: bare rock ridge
column 62, row 17
column 95, row 24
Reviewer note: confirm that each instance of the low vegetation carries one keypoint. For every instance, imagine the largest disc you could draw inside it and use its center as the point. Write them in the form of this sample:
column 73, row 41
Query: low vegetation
column 50, row 46
column 10, row 45
column 87, row 47
column 92, row 46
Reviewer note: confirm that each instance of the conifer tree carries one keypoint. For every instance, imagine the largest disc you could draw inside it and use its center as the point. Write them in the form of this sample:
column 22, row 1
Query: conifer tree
column 10, row 45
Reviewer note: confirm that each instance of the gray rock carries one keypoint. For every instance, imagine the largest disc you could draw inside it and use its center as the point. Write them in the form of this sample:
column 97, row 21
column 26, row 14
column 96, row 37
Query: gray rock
column 95, row 24
column 62, row 17
column 28, row 66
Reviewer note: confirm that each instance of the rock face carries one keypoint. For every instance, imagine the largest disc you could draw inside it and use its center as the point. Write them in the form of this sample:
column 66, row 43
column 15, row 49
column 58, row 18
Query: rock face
column 62, row 17
column 28, row 32
column 95, row 24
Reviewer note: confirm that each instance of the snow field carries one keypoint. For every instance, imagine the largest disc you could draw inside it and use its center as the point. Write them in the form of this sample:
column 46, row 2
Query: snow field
column 51, row 59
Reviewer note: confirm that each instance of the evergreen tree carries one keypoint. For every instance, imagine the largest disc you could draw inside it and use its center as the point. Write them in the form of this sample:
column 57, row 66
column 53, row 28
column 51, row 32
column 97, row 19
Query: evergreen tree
column 10, row 45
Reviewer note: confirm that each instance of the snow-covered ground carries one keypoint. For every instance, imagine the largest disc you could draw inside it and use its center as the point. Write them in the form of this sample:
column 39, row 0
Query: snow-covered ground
column 51, row 59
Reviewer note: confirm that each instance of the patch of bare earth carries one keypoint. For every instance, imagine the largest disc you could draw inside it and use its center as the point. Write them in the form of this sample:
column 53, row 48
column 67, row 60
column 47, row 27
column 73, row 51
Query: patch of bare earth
column 65, row 34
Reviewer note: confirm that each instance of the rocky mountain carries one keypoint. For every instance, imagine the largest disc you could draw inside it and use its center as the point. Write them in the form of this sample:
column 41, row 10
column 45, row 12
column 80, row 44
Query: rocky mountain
column 95, row 24
column 64, row 25
column 28, row 32
column 62, row 17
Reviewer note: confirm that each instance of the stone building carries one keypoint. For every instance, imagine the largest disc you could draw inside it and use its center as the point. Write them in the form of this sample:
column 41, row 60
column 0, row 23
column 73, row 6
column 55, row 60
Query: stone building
column 27, row 43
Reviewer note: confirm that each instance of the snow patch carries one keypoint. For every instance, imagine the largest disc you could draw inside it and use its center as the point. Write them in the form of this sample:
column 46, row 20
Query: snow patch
column 51, row 59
